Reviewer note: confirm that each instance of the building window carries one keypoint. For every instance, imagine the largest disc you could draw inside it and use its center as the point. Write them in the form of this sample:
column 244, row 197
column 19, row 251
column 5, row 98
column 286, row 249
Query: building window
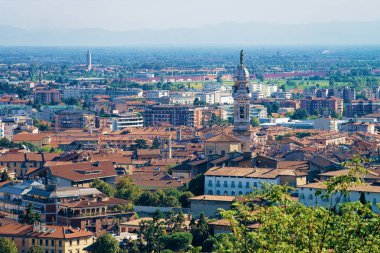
column 240, row 185
column 217, row 192
column 218, row 183
column 302, row 196
column 225, row 193
column 225, row 184
column 47, row 242
column 33, row 241
column 232, row 193
column 52, row 242
column 210, row 192
column 209, row 183
column 255, row 184
column 240, row 193
column 60, row 243
column 310, row 196
column 41, row 242
column 247, row 185
column 232, row 184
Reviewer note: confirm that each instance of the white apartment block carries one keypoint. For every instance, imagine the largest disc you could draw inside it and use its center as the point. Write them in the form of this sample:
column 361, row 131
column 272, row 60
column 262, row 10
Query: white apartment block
column 210, row 97
column 127, row 120
column 235, row 181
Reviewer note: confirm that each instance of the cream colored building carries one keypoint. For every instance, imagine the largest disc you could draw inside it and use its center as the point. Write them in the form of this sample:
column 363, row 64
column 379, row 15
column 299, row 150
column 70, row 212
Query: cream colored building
column 57, row 239
column 222, row 144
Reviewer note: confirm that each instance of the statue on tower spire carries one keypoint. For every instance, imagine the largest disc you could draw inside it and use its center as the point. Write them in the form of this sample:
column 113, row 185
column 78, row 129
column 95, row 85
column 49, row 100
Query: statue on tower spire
column 241, row 57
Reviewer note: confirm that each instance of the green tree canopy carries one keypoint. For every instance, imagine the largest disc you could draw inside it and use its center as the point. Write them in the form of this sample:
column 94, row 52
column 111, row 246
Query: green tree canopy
column 35, row 249
column 300, row 114
column 200, row 230
column 5, row 176
column 7, row 246
column 156, row 144
column 179, row 241
column 255, row 122
column 196, row 185
column 126, row 189
column 106, row 244
column 103, row 187
column 285, row 225
column 30, row 216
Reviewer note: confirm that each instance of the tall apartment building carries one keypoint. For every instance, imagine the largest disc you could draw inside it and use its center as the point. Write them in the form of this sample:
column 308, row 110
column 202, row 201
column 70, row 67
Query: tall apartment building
column 184, row 115
column 47, row 96
column 210, row 97
column 73, row 119
column 357, row 108
column 372, row 93
column 322, row 104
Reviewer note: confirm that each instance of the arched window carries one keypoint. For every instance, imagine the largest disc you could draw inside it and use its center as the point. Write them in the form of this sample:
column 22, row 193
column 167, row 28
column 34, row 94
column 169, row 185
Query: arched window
column 240, row 193
column 232, row 193
column 217, row 192
column 225, row 193
column 210, row 192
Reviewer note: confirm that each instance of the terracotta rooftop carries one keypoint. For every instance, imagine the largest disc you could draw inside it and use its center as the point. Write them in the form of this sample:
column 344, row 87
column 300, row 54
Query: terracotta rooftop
column 214, row 198
column 223, row 138
column 359, row 188
column 252, row 172
column 13, row 228
column 77, row 172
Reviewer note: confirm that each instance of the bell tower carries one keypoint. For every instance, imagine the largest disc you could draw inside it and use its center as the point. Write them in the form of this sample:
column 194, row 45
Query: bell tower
column 242, row 100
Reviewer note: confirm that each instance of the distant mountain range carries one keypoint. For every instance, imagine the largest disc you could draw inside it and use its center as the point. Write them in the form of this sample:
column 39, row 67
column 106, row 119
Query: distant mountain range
column 252, row 33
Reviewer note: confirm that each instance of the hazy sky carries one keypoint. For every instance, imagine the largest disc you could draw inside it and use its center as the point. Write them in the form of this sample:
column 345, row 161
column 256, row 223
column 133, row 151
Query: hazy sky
column 160, row 14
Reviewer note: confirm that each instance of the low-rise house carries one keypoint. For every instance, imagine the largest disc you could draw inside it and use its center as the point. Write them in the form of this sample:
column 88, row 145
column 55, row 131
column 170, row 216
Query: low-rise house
column 98, row 214
column 223, row 226
column 353, row 127
column 328, row 138
column 367, row 192
column 20, row 162
column 148, row 154
column 368, row 177
column 58, row 239
column 133, row 226
column 38, row 140
column 210, row 204
column 81, row 174
column 156, row 180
